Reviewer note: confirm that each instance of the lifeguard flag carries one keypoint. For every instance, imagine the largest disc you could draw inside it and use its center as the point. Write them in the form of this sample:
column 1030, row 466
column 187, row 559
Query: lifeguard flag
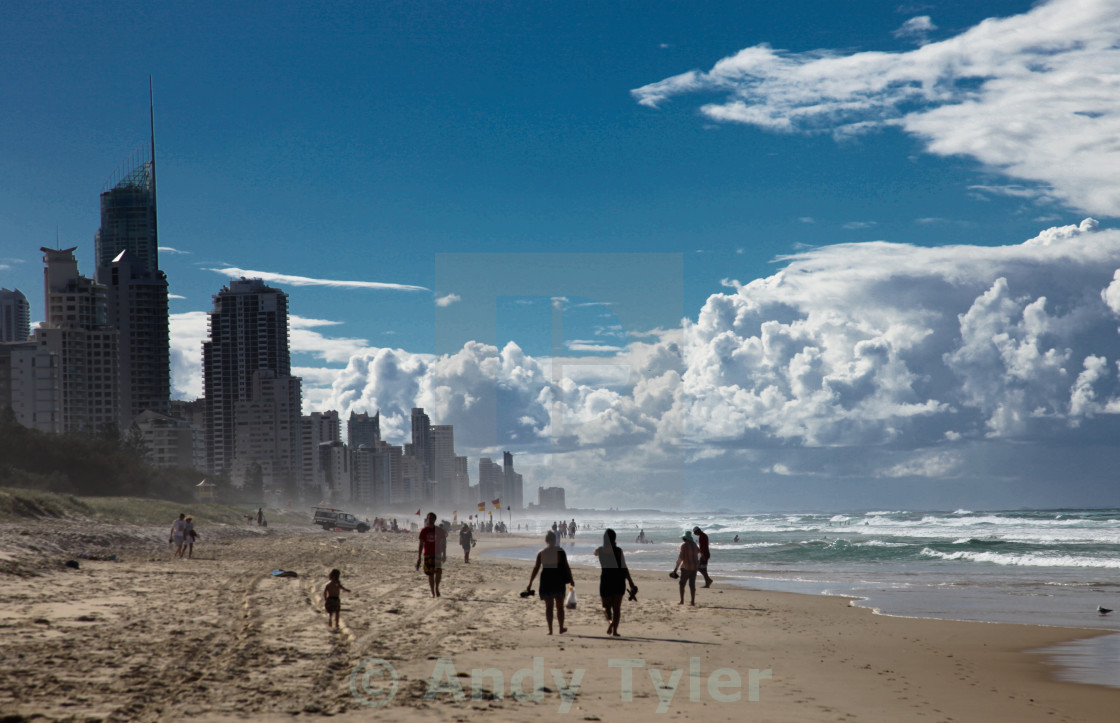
column 418, row 511
column 481, row 506
column 497, row 502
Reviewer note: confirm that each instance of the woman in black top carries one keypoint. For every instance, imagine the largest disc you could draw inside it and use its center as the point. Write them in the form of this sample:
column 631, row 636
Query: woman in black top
column 612, row 580
column 552, row 564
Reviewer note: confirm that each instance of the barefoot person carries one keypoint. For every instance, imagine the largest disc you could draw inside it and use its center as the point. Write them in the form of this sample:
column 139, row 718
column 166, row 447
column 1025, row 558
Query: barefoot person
column 705, row 554
column 332, row 600
column 433, row 549
column 189, row 536
column 612, row 580
column 466, row 539
column 179, row 534
column 552, row 564
column 688, row 561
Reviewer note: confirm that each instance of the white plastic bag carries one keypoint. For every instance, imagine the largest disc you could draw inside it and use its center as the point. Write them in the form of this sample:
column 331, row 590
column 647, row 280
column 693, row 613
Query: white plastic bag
column 570, row 603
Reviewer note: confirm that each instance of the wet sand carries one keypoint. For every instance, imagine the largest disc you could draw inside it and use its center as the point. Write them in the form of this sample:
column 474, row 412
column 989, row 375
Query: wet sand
column 217, row 637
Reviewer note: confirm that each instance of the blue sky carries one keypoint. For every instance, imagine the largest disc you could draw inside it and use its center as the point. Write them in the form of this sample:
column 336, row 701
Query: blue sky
column 578, row 178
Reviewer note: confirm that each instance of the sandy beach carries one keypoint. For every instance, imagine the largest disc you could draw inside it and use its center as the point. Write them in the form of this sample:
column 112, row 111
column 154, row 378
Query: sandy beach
column 217, row 637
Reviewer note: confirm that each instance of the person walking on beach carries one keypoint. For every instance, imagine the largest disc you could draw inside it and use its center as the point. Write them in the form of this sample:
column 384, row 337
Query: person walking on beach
column 260, row 516
column 433, row 550
column 332, row 599
column 466, row 539
column 612, row 580
column 189, row 536
column 705, row 553
column 552, row 564
column 178, row 534
column 688, row 560
column 572, row 529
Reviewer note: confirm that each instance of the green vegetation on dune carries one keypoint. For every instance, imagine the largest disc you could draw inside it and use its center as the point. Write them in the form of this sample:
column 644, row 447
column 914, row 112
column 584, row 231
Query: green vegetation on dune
column 17, row 504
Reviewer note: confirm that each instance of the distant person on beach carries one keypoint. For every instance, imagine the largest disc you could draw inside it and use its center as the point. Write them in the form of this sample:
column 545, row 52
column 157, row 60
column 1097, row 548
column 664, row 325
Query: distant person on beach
column 736, row 538
column 332, row 600
column 552, row 563
column 466, row 539
column 189, row 536
column 260, row 516
column 688, row 561
column 433, row 550
column 705, row 553
column 612, row 580
column 178, row 534
column 572, row 529
column 641, row 538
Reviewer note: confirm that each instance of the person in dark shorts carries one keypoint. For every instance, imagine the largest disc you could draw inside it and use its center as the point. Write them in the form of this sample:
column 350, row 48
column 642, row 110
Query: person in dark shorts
column 552, row 564
column 705, row 554
column 332, row 600
column 466, row 540
column 688, row 561
column 433, row 550
column 612, row 580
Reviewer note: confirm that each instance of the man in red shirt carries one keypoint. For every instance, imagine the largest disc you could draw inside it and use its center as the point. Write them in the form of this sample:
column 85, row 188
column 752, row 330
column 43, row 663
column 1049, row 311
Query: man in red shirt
column 705, row 553
column 433, row 550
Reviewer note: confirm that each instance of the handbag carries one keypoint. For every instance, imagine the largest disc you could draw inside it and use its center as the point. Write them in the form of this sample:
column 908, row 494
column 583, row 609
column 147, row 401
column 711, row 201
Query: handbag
column 571, row 601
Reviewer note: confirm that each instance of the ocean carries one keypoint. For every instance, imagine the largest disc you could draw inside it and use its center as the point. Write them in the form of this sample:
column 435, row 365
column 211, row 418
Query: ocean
column 1037, row 567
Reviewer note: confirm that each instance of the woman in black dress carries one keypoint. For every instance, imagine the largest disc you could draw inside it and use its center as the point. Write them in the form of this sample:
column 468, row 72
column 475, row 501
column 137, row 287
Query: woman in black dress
column 612, row 580
column 552, row 563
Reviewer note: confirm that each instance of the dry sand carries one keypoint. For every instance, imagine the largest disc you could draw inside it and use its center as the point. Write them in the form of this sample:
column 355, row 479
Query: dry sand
column 217, row 637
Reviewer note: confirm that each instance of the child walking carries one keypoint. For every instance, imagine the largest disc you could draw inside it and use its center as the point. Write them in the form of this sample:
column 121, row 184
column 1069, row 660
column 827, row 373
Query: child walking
column 331, row 599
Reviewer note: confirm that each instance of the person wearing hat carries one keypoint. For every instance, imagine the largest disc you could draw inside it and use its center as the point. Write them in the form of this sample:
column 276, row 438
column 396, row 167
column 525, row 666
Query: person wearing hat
column 705, row 553
column 688, row 562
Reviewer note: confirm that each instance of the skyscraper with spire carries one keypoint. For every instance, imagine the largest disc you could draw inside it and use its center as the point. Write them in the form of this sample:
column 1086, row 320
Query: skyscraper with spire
column 127, row 253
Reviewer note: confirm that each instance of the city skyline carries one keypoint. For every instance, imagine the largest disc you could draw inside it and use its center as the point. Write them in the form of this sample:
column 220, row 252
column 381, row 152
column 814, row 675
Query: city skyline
column 726, row 254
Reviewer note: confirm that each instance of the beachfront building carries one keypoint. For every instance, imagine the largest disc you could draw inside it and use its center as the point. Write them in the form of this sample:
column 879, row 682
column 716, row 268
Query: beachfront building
column 171, row 442
column 513, row 494
column 318, row 428
column 551, row 498
column 490, row 480
column 248, row 336
column 126, row 250
column 77, row 332
column 267, row 431
column 15, row 316
column 31, row 385
column 334, row 460
column 362, row 429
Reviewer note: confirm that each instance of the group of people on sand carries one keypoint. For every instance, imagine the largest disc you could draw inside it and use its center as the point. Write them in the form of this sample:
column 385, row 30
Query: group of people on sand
column 556, row 578
column 183, row 536
column 565, row 529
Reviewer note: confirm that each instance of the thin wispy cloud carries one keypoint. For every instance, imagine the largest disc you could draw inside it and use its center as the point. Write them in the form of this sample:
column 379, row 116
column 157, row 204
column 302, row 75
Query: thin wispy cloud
column 1035, row 96
column 234, row 272
column 859, row 225
column 170, row 250
column 917, row 28
column 444, row 301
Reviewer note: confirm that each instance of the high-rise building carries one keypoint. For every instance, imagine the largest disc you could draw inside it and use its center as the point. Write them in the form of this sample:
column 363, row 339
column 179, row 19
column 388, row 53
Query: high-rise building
column 318, row 427
column 78, row 333
column 248, row 334
column 15, row 316
column 363, row 429
column 267, row 431
column 31, row 385
column 126, row 250
column 489, row 481
column 422, row 443
column 442, row 438
column 513, row 494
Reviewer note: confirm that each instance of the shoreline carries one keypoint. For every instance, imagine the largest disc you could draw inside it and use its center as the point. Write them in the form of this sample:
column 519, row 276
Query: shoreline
column 149, row 637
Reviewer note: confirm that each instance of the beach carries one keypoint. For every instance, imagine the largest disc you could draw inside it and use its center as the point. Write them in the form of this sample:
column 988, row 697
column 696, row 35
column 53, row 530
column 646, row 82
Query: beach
column 218, row 637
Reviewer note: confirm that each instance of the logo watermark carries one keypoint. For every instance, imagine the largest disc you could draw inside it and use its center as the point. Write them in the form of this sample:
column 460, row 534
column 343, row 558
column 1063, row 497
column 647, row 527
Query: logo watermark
column 374, row 683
